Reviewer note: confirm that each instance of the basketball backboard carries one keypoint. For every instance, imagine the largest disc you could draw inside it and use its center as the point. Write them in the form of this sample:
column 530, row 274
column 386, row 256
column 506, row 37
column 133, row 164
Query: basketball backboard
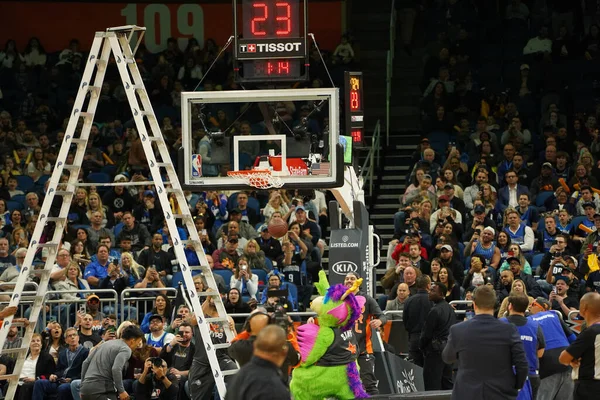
column 293, row 133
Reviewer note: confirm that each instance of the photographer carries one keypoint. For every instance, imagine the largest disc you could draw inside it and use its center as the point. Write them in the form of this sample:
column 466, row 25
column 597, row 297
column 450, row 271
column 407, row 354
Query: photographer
column 179, row 353
column 242, row 345
column 156, row 382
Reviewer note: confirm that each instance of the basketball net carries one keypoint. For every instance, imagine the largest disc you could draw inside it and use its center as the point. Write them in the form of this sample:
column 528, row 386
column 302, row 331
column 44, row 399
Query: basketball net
column 258, row 178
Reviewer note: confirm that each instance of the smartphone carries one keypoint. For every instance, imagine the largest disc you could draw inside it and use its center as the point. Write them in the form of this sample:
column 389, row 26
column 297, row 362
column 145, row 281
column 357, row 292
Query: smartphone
column 590, row 247
column 204, row 232
column 511, row 253
column 554, row 289
column 82, row 309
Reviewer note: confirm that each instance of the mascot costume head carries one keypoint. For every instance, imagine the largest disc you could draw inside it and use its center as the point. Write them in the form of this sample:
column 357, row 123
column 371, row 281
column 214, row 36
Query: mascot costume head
column 329, row 350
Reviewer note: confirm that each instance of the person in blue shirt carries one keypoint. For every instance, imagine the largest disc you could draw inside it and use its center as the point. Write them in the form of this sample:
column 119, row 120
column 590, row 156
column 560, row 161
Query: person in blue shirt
column 114, row 255
column 97, row 270
column 275, row 280
column 533, row 340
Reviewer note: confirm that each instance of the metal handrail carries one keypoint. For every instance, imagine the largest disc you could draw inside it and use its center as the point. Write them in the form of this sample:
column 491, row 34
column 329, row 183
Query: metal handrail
column 126, row 296
column 390, row 71
column 60, row 301
column 368, row 168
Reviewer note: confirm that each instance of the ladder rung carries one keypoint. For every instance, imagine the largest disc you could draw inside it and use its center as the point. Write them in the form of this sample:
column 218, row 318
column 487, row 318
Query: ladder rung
column 48, row 244
column 8, row 377
column 156, row 138
column 87, row 115
column 217, row 319
column 63, row 193
column 100, row 63
column 71, row 166
column 221, row 346
column 182, row 216
column 95, row 89
column 139, row 87
column 56, row 219
column 216, row 294
column 18, row 350
column 78, row 141
column 164, row 165
column 230, row 372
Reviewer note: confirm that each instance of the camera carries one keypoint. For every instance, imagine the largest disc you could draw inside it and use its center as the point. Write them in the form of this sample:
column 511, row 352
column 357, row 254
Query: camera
column 477, row 231
column 156, row 361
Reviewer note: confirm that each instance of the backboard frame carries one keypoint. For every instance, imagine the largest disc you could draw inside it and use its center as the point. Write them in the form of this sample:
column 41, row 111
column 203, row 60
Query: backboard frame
column 188, row 99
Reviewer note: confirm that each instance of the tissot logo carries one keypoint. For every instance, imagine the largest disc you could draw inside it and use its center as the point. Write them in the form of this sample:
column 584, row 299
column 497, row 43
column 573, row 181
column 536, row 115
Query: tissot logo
column 343, row 267
column 270, row 47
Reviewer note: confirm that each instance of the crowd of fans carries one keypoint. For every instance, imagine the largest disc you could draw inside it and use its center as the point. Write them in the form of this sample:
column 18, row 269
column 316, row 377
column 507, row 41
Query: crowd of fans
column 504, row 187
column 116, row 237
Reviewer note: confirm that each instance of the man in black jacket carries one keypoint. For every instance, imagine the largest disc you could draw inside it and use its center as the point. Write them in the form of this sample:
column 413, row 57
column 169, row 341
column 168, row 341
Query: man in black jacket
column 533, row 289
column 437, row 375
column 260, row 378
column 416, row 309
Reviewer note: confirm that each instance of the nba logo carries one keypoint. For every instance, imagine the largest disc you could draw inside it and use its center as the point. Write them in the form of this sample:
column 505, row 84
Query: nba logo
column 196, row 165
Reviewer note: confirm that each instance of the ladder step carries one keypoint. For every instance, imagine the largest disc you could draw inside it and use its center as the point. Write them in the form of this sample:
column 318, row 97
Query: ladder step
column 15, row 350
column 71, row 167
column 87, row 115
column 217, row 319
column 219, row 346
column 56, row 219
column 9, row 377
column 48, row 244
column 79, row 141
column 63, row 193
column 230, row 372
column 216, row 294
column 182, row 216
column 95, row 90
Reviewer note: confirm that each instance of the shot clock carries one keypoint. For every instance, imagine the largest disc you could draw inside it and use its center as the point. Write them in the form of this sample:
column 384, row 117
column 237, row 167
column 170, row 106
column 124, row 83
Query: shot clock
column 272, row 45
column 353, row 88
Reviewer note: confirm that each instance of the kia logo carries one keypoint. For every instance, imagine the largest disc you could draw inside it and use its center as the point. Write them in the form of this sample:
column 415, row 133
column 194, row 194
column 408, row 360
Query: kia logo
column 343, row 267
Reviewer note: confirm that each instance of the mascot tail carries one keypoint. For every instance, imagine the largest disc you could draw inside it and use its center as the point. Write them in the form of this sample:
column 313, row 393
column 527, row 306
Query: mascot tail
column 355, row 382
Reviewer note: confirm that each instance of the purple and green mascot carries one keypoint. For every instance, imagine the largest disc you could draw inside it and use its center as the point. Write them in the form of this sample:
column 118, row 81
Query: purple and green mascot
column 328, row 367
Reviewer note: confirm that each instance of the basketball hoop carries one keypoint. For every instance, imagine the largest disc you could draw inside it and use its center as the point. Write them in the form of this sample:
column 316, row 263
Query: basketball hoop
column 258, row 178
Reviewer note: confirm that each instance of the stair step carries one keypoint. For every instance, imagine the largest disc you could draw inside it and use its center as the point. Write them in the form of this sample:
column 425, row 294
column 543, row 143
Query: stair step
column 384, row 206
column 393, row 186
column 382, row 227
column 388, row 177
column 381, row 216
column 388, row 197
column 396, row 168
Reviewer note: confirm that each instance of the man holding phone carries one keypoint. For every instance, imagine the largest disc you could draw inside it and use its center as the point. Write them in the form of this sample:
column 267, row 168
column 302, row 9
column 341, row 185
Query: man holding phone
column 179, row 353
column 156, row 382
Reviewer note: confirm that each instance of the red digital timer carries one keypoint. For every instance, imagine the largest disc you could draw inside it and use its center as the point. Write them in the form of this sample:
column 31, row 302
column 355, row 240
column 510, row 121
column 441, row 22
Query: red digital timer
column 271, row 68
column 269, row 19
column 353, row 109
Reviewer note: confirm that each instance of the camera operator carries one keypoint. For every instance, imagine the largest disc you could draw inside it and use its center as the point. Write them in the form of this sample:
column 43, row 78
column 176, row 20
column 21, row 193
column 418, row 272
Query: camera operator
column 179, row 353
column 156, row 382
column 242, row 346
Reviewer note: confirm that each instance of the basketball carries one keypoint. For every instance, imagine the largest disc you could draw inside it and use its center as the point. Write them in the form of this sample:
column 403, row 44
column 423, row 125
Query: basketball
column 277, row 227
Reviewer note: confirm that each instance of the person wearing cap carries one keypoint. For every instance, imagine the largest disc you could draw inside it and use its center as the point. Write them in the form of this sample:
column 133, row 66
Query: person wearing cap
column 418, row 153
column 561, row 268
column 421, row 187
column 227, row 256
column 118, row 200
column 478, row 217
column 586, row 195
column 452, row 262
column 508, row 196
column 587, row 227
column 556, row 382
column 545, row 182
column 483, row 245
column 472, row 192
column 560, row 299
column 455, row 202
column 518, row 232
column 533, row 289
column 158, row 337
column 269, row 245
column 149, row 213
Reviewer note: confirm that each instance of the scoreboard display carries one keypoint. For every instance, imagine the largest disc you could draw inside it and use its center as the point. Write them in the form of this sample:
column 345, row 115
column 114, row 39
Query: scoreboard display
column 272, row 45
column 354, row 112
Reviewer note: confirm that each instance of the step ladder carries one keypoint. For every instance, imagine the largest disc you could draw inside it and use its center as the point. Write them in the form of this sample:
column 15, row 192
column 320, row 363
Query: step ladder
column 116, row 41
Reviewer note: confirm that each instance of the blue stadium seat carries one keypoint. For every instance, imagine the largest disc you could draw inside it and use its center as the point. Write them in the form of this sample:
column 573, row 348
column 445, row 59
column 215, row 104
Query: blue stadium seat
column 110, row 170
column 262, row 276
column 19, row 198
column 269, row 263
column 41, row 182
column 14, row 205
column 24, row 183
column 226, row 274
column 99, row 177
column 541, row 198
column 293, row 291
column 439, row 141
column 537, row 259
column 578, row 220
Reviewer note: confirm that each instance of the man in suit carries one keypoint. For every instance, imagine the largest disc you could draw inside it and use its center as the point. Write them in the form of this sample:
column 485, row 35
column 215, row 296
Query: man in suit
column 508, row 196
column 486, row 350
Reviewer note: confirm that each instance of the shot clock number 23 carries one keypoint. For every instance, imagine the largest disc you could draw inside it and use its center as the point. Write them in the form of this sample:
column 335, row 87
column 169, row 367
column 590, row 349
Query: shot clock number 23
column 268, row 19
